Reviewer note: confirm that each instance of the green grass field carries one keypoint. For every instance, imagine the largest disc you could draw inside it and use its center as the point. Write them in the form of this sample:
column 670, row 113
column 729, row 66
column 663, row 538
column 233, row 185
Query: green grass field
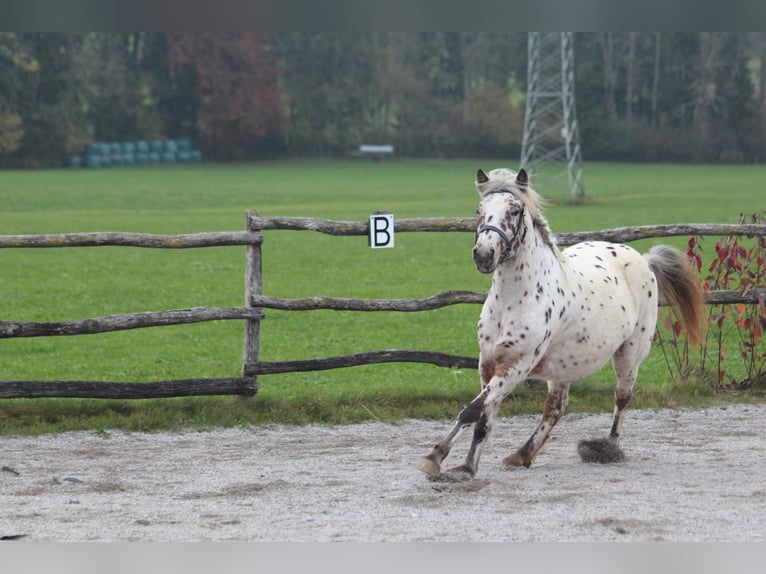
column 76, row 283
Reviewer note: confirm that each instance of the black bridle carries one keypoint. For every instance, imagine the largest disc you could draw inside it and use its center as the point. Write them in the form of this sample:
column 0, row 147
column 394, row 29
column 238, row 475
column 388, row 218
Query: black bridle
column 507, row 241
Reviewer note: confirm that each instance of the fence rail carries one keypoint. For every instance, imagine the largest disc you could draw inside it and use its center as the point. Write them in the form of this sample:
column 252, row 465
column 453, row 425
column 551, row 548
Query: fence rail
column 150, row 240
column 255, row 302
column 243, row 386
column 12, row 329
column 468, row 224
column 355, row 228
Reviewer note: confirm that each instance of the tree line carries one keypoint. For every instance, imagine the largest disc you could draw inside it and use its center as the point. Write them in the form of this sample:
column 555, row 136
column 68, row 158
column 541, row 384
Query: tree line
column 641, row 96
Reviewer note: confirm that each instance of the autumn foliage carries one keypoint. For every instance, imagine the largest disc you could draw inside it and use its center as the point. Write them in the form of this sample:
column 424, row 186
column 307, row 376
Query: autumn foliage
column 735, row 349
column 234, row 77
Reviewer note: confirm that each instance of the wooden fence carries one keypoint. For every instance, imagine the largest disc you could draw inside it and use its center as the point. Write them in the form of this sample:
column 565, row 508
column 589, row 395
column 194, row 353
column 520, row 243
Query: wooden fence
column 252, row 312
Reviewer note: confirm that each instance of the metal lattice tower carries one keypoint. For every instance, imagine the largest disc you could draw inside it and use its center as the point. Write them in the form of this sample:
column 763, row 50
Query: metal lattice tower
column 551, row 145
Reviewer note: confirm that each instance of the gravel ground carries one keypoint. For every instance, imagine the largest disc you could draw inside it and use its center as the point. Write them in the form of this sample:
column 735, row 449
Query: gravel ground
column 689, row 475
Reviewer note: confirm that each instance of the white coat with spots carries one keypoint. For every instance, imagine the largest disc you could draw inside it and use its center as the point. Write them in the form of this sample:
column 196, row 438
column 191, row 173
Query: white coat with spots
column 558, row 316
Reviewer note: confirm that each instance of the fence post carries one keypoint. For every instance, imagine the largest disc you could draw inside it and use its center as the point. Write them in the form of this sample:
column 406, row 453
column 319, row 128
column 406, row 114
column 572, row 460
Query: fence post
column 253, row 288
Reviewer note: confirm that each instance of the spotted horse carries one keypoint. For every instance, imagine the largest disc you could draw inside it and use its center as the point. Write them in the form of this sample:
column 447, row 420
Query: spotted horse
column 559, row 316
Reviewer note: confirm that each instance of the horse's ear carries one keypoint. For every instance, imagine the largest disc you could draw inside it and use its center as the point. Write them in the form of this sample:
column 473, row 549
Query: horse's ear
column 522, row 180
column 481, row 177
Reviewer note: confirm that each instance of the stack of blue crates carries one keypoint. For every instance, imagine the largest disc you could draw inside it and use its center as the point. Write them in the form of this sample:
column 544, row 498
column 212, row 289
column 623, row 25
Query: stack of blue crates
column 132, row 153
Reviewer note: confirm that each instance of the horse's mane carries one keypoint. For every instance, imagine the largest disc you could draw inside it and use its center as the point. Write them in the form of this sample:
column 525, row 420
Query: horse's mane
column 505, row 179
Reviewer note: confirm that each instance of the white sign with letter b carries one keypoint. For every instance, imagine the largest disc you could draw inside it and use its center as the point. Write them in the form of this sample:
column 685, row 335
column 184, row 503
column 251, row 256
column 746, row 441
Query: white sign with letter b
column 381, row 230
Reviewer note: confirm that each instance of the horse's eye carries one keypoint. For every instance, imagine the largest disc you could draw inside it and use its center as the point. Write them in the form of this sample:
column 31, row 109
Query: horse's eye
column 515, row 212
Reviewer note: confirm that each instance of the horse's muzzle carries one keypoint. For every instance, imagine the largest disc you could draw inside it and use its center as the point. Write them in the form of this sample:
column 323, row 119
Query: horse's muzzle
column 484, row 259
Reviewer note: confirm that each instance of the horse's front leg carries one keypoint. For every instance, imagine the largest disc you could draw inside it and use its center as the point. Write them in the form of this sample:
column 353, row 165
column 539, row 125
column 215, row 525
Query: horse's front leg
column 481, row 412
column 471, row 413
column 481, row 432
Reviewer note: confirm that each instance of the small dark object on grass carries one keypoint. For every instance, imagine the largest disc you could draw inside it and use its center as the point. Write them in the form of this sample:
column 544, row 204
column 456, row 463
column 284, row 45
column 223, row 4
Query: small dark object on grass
column 601, row 450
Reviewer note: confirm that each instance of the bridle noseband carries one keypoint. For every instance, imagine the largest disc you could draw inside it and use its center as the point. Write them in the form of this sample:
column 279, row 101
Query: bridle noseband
column 507, row 241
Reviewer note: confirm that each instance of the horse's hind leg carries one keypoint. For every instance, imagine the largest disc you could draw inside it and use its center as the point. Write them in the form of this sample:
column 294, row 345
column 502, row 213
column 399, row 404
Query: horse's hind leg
column 555, row 405
column 608, row 450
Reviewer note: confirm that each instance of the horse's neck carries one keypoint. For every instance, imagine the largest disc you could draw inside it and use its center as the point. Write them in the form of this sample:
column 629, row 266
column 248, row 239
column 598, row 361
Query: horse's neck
column 537, row 263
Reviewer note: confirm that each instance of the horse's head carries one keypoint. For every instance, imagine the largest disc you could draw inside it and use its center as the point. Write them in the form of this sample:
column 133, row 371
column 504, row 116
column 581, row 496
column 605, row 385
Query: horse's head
column 502, row 211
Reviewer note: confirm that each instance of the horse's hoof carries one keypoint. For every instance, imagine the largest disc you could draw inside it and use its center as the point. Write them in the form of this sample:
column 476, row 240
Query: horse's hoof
column 458, row 474
column 516, row 460
column 428, row 465
column 601, row 450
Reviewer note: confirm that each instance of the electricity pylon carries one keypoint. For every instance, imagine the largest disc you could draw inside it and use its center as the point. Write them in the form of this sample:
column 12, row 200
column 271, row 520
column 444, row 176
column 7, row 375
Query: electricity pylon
column 551, row 145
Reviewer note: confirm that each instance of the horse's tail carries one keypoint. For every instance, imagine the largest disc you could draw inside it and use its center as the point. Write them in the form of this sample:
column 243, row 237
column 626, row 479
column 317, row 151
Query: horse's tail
column 679, row 287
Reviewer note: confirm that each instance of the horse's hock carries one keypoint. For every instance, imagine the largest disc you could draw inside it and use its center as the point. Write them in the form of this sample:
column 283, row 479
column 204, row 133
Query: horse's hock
column 251, row 313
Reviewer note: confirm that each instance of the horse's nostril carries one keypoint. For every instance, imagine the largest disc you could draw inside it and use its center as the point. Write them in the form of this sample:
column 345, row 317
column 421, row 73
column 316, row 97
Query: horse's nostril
column 488, row 254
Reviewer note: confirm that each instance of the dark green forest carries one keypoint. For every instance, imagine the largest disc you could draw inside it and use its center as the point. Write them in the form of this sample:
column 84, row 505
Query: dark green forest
column 243, row 96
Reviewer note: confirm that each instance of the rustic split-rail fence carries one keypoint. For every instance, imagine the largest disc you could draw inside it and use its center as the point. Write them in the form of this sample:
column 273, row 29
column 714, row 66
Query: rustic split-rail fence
column 252, row 311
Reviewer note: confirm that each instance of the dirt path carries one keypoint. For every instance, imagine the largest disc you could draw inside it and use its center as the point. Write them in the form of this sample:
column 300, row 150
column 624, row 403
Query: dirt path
column 688, row 475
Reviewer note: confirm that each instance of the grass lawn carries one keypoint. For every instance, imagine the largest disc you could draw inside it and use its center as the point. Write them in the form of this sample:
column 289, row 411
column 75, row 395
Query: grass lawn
column 66, row 284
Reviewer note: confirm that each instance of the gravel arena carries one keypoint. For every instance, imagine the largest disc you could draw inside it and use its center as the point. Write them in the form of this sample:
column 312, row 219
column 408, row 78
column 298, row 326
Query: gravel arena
column 688, row 475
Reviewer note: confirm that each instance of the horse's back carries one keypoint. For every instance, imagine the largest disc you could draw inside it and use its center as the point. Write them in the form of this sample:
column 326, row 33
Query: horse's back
column 612, row 269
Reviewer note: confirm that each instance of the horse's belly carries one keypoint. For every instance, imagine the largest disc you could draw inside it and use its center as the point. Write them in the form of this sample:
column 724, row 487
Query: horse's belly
column 575, row 354
column 568, row 366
